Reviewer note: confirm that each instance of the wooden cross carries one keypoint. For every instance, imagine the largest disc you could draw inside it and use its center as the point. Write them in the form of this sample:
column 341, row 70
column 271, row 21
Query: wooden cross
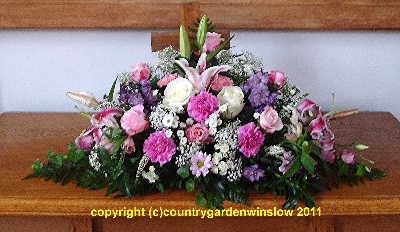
column 189, row 13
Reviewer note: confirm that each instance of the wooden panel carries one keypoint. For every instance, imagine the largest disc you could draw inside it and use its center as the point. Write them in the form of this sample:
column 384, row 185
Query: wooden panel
column 229, row 14
column 26, row 136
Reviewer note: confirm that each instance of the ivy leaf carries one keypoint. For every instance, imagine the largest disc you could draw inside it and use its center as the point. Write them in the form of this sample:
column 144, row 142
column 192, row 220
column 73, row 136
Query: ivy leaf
column 76, row 155
column 57, row 160
column 201, row 200
column 49, row 154
column 123, row 185
column 190, row 185
column 183, row 171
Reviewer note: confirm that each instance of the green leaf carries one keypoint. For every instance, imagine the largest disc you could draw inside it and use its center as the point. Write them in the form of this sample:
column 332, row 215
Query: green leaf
column 111, row 93
column 160, row 187
column 116, row 132
column 361, row 170
column 183, row 171
column 57, row 160
column 37, row 165
column 293, row 169
column 76, row 155
column 307, row 162
column 201, row 200
column 309, row 198
column 343, row 168
column 123, row 185
column 190, row 185
column 49, row 154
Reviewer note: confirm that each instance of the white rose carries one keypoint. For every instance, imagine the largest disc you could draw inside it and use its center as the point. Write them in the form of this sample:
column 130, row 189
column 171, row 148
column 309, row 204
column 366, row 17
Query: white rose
column 177, row 93
column 234, row 97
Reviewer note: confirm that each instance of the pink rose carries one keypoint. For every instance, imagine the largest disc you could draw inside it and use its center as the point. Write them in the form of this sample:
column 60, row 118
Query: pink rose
column 128, row 145
column 277, row 78
column 134, row 120
column 213, row 40
column 221, row 82
column 270, row 121
column 347, row 156
column 140, row 71
column 198, row 133
column 166, row 79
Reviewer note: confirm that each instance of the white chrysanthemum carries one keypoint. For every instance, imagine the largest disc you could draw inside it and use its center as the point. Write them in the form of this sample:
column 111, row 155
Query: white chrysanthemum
column 214, row 169
column 168, row 120
column 224, row 148
column 223, row 168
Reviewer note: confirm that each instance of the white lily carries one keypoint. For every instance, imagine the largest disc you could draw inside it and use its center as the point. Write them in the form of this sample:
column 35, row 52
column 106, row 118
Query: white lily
column 200, row 77
column 85, row 98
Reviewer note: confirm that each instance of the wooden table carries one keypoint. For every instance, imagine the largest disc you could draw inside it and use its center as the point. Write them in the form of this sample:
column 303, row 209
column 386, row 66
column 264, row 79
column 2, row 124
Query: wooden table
column 36, row 205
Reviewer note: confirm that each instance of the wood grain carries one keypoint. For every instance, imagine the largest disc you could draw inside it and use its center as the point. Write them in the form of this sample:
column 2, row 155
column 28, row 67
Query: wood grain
column 26, row 136
column 227, row 14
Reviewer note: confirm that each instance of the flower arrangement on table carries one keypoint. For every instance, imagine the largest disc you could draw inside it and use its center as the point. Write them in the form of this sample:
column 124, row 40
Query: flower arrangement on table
column 209, row 120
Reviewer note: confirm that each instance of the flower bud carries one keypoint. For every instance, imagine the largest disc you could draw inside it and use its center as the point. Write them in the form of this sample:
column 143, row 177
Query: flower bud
column 201, row 32
column 184, row 44
column 361, row 147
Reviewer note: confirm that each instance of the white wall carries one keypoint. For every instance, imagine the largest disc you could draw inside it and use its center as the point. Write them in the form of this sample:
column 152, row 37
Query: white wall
column 37, row 67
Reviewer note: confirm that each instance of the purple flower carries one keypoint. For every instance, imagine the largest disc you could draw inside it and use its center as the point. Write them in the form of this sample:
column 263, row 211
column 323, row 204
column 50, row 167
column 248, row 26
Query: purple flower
column 134, row 99
column 255, row 80
column 202, row 105
column 201, row 163
column 347, row 156
column 159, row 148
column 287, row 160
column 328, row 155
column 250, row 139
column 147, row 92
column 253, row 173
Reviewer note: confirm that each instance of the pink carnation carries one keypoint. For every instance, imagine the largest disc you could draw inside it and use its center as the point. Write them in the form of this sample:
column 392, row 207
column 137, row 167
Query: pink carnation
column 221, row 82
column 166, row 79
column 202, row 105
column 250, row 139
column 159, row 148
column 140, row 71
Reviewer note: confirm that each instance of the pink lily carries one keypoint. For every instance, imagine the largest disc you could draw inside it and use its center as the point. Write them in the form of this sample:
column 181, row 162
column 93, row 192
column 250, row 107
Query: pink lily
column 200, row 77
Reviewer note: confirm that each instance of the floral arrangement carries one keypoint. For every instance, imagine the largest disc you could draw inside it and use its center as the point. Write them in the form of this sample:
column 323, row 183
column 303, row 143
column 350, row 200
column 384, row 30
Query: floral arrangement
column 207, row 119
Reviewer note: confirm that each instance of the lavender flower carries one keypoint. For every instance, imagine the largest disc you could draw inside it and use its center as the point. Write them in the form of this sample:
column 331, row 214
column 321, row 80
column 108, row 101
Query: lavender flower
column 253, row 173
column 287, row 160
column 134, row 99
column 257, row 79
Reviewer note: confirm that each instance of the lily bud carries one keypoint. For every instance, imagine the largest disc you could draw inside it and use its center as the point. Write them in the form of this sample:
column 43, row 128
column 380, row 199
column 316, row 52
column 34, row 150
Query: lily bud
column 361, row 147
column 201, row 32
column 87, row 99
column 184, row 44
